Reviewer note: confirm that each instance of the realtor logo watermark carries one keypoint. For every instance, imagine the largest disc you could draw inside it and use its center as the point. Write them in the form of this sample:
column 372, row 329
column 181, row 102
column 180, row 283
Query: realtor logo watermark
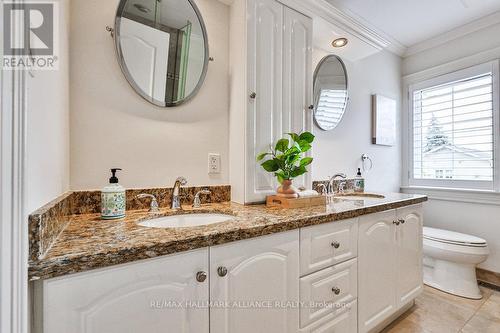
column 31, row 36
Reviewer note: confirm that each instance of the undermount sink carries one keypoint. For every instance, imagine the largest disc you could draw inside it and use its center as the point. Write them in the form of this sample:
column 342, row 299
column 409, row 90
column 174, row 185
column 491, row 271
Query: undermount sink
column 185, row 220
column 359, row 196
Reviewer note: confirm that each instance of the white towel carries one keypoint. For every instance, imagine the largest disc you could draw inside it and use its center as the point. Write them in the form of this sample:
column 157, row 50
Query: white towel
column 308, row 193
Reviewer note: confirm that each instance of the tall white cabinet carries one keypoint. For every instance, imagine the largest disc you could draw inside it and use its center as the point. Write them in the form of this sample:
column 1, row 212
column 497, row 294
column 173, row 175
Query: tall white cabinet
column 272, row 96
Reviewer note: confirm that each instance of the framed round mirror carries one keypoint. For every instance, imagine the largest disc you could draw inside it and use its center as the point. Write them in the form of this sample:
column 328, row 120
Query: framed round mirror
column 162, row 49
column 330, row 92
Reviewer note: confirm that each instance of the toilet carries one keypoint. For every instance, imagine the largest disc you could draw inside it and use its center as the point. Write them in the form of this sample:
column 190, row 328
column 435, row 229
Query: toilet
column 450, row 260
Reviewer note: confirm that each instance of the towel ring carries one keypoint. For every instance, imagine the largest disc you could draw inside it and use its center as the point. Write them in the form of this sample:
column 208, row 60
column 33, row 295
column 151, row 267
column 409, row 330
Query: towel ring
column 365, row 158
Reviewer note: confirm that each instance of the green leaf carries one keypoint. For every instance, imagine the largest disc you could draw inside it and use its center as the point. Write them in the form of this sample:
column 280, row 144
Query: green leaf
column 260, row 157
column 304, row 146
column 298, row 171
column 282, row 145
column 307, row 136
column 295, row 137
column 306, row 161
column 270, row 166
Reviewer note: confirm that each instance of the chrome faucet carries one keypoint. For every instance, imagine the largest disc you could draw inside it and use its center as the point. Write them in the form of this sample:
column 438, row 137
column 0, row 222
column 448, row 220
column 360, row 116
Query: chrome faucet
column 332, row 179
column 176, row 200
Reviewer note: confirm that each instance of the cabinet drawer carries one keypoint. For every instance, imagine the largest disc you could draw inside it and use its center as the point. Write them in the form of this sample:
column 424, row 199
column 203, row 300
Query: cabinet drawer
column 327, row 244
column 341, row 321
column 327, row 291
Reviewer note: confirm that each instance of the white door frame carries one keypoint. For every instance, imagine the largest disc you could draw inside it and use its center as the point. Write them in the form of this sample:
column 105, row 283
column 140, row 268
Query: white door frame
column 13, row 222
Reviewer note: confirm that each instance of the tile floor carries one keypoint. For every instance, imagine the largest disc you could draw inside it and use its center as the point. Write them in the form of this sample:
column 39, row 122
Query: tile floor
column 438, row 312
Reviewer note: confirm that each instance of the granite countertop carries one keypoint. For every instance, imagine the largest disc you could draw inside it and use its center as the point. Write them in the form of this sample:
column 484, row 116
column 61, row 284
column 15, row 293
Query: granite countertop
column 87, row 242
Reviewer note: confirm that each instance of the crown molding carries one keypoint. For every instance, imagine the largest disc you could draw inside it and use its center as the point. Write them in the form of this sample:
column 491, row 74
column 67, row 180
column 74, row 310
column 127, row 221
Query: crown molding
column 453, row 34
column 364, row 28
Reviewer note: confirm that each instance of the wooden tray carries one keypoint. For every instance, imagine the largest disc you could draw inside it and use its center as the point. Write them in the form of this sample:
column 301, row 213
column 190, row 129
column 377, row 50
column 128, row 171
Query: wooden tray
column 281, row 202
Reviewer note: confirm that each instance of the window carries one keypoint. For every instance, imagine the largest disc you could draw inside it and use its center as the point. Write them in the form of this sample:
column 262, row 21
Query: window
column 453, row 129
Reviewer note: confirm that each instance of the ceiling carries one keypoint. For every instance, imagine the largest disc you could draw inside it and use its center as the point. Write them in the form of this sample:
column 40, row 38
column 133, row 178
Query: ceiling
column 410, row 22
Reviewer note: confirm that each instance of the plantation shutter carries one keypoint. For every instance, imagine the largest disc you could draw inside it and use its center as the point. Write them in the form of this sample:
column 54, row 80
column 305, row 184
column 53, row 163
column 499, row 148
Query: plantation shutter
column 453, row 130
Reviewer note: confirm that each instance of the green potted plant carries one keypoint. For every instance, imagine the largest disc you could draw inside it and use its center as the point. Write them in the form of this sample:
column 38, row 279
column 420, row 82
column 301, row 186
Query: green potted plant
column 287, row 160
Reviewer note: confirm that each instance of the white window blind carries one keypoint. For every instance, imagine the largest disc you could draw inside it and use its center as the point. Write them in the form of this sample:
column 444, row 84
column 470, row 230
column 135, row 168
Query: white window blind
column 453, row 130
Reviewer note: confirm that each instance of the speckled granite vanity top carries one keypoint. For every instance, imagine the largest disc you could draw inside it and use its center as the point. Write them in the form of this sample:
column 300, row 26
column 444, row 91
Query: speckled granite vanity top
column 87, row 242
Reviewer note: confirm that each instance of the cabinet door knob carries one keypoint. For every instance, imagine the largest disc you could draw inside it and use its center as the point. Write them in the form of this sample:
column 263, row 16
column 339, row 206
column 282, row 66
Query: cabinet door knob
column 201, row 276
column 401, row 221
column 336, row 290
column 222, row 271
column 253, row 95
column 311, row 107
column 335, row 245
column 396, row 222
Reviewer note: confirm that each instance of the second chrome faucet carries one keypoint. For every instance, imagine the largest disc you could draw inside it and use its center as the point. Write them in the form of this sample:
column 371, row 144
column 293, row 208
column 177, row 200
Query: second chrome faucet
column 176, row 199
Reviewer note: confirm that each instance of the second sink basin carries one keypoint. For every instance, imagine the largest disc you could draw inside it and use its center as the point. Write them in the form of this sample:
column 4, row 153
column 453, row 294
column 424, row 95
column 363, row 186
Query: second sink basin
column 359, row 196
column 185, row 220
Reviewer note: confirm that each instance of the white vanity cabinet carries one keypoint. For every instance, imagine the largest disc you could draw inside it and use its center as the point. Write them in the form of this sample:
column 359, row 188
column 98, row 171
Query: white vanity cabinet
column 171, row 294
column 390, row 264
column 347, row 276
column 271, row 97
column 138, row 297
column 259, row 279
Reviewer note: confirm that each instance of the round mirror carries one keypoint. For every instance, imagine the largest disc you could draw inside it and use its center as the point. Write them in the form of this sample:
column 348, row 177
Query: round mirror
column 330, row 92
column 162, row 49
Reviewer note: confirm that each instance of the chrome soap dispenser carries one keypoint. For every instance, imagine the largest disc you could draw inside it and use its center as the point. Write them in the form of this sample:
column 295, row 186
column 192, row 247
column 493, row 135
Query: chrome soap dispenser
column 113, row 201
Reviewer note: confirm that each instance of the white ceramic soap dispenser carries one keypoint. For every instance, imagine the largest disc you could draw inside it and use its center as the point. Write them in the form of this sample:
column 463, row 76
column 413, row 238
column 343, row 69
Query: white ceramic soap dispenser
column 113, row 199
column 359, row 182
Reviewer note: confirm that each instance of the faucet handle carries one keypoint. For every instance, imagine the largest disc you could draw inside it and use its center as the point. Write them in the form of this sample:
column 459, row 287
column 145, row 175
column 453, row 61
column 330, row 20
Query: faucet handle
column 182, row 180
column 342, row 186
column 322, row 189
column 197, row 200
column 154, row 207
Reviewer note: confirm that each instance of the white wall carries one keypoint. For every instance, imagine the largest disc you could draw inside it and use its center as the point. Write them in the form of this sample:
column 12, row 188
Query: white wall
column 476, row 219
column 340, row 150
column 48, row 126
column 112, row 126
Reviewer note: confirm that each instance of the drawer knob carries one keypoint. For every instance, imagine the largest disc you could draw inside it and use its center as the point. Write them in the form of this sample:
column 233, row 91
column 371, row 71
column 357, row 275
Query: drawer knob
column 201, row 276
column 401, row 221
column 253, row 95
column 336, row 290
column 222, row 271
column 335, row 245
column 396, row 222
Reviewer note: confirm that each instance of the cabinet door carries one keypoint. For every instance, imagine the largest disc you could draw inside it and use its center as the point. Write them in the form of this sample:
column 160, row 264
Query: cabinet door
column 261, row 277
column 265, row 77
column 376, row 268
column 409, row 254
column 151, row 296
column 297, row 77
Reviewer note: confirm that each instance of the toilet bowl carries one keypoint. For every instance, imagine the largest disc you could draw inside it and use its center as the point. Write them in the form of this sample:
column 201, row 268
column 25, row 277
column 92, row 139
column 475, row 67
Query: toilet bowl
column 450, row 260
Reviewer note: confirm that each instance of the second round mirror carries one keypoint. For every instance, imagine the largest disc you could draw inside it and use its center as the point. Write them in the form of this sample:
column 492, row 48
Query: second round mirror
column 330, row 92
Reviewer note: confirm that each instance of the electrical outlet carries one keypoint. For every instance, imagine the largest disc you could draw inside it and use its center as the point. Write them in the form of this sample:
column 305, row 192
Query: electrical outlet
column 213, row 164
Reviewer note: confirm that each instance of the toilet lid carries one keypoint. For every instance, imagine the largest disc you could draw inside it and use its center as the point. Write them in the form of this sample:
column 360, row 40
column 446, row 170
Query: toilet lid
column 452, row 237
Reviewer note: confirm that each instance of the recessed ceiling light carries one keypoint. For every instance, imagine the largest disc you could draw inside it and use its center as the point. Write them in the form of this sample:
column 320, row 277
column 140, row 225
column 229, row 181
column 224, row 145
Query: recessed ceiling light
column 340, row 42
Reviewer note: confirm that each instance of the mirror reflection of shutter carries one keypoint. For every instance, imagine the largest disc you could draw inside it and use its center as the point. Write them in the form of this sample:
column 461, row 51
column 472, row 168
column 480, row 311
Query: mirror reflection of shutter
column 331, row 106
